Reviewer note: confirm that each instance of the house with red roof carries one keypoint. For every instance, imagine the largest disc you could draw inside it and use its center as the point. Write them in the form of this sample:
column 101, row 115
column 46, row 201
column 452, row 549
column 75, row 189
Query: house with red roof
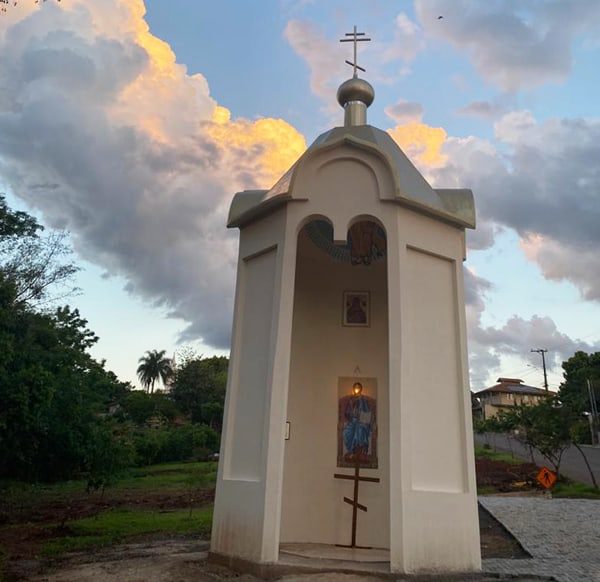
column 507, row 393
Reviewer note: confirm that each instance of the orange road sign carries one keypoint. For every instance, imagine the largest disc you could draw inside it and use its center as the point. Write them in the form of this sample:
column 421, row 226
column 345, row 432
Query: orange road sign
column 546, row 478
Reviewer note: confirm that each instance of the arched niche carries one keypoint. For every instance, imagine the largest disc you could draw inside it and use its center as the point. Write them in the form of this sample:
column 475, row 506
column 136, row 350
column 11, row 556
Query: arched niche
column 336, row 339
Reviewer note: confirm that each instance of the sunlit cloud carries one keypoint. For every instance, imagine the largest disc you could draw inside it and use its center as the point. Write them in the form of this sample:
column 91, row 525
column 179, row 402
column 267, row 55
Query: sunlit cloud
column 274, row 143
column 142, row 159
column 421, row 142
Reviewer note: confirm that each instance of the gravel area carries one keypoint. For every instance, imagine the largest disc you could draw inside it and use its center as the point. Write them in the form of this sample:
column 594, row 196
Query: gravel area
column 562, row 536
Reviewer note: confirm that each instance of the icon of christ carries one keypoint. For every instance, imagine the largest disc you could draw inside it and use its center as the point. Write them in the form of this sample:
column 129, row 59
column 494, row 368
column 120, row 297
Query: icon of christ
column 357, row 429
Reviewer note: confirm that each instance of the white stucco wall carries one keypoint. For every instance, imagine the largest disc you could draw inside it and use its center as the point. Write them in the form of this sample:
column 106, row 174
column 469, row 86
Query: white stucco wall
column 323, row 350
column 434, row 518
column 244, row 502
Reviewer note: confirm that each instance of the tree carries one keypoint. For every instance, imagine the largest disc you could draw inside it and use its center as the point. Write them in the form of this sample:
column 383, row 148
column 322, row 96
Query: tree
column 154, row 366
column 33, row 264
column 199, row 389
column 140, row 407
column 16, row 223
column 54, row 396
column 544, row 427
column 549, row 427
column 578, row 369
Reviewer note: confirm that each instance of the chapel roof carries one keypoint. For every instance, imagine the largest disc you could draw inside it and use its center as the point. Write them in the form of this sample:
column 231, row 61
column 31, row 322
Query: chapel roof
column 453, row 205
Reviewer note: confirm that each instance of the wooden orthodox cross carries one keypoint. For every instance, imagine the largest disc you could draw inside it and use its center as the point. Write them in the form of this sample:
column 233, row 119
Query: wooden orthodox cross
column 354, row 502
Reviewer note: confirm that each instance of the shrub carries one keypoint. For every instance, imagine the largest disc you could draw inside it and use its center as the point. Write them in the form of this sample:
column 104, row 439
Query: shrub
column 162, row 445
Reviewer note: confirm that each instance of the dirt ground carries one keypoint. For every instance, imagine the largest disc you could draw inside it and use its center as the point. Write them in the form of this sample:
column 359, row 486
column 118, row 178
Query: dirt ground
column 176, row 561
column 505, row 477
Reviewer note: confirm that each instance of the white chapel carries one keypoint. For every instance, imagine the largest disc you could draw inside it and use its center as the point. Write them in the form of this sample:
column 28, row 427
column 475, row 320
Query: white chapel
column 348, row 413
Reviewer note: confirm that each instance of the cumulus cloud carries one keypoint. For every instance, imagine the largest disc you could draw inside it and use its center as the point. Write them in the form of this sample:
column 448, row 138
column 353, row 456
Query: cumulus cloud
column 483, row 360
column 566, row 262
column 514, row 45
column 489, row 345
column 421, row 142
column 518, row 335
column 324, row 57
column 105, row 133
column 405, row 111
column 482, row 109
column 540, row 179
column 408, row 40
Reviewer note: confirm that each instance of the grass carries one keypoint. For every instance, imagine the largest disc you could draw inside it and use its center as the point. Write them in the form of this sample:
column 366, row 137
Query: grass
column 485, row 453
column 487, row 490
column 21, row 493
column 168, row 476
column 117, row 525
column 163, row 478
column 575, row 490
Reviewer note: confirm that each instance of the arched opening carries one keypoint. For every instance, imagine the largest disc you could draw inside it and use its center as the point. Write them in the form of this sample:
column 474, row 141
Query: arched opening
column 339, row 340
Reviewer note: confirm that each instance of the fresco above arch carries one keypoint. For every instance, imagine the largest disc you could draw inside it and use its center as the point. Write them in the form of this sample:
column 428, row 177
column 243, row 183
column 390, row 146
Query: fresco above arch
column 366, row 242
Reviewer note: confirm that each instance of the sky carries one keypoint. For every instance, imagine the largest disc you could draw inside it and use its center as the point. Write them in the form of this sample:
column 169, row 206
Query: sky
column 131, row 125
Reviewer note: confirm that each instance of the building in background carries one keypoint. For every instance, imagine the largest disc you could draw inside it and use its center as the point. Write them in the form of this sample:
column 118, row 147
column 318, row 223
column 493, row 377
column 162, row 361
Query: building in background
column 507, row 393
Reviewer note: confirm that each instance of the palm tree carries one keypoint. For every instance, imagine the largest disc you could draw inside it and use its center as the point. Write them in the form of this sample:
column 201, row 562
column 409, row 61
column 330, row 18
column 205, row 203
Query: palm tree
column 154, row 366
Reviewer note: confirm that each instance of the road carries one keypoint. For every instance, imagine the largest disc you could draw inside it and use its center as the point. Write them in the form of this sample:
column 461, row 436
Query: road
column 572, row 464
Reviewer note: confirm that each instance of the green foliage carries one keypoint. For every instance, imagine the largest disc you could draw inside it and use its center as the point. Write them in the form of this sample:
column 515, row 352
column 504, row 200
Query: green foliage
column 32, row 264
column 575, row 490
column 53, row 393
column 140, row 407
column 154, row 366
column 577, row 370
column 108, row 452
column 174, row 444
column 545, row 427
column 16, row 223
column 502, row 422
column 483, row 452
column 199, row 389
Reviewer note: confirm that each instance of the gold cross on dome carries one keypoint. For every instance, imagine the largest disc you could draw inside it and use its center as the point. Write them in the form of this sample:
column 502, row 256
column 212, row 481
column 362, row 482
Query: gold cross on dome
column 355, row 39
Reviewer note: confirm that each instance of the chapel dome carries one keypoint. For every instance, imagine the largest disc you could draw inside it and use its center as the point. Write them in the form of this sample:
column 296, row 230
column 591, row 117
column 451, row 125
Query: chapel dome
column 355, row 89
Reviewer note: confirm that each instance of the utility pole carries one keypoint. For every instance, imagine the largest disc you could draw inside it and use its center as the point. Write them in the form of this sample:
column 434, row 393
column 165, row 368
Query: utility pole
column 543, row 352
column 594, row 408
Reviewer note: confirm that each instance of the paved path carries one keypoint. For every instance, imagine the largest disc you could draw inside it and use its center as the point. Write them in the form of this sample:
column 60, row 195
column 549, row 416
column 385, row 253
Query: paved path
column 562, row 536
column 572, row 464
